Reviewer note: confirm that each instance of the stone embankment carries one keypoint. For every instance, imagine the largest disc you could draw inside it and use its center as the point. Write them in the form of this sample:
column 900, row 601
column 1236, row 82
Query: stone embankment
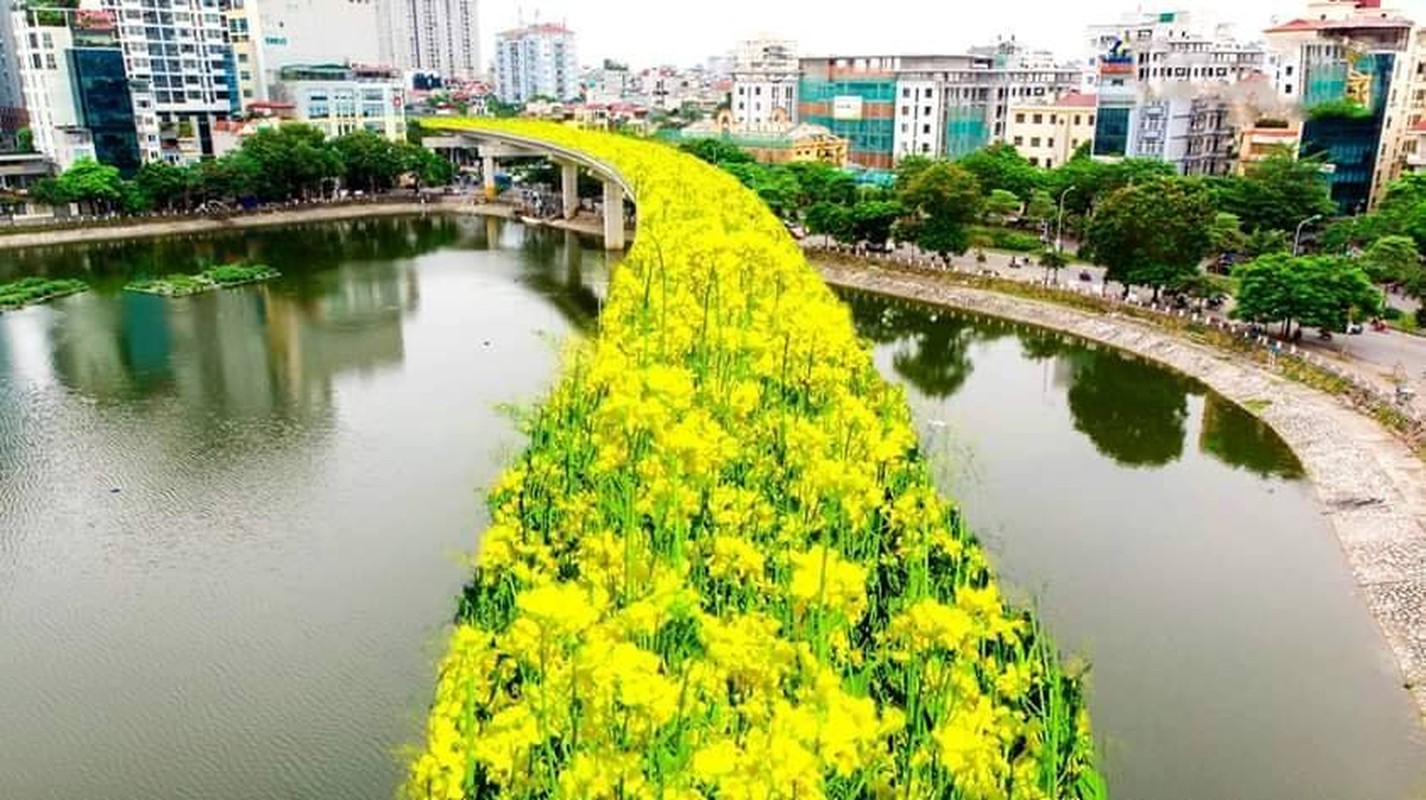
column 1371, row 486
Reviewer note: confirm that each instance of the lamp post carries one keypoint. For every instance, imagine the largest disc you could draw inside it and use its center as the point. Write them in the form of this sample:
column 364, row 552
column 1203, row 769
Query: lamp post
column 1297, row 237
column 1060, row 223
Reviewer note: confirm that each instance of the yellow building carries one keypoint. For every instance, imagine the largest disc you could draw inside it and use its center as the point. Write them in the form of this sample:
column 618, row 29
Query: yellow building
column 1048, row 133
column 1267, row 138
column 776, row 141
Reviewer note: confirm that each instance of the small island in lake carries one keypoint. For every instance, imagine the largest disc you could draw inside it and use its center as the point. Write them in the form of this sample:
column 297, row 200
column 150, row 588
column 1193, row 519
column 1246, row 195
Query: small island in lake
column 28, row 291
column 179, row 285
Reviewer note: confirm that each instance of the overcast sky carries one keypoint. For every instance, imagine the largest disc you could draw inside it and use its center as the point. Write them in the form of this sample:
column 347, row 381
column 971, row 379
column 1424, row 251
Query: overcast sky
column 651, row 32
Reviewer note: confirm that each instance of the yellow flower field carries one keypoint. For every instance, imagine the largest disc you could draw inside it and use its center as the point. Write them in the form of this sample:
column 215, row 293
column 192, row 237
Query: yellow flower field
column 720, row 568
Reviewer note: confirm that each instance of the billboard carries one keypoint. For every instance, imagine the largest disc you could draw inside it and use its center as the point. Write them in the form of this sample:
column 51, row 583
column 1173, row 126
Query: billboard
column 846, row 107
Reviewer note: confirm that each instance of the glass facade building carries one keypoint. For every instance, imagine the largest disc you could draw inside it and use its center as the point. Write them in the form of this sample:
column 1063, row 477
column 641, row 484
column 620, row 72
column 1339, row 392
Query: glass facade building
column 1348, row 142
column 106, row 108
column 858, row 109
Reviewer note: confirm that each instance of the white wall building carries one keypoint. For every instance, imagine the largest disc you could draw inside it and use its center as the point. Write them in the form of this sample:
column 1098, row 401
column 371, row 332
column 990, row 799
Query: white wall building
column 536, row 61
column 441, row 36
column 55, row 118
column 340, row 100
column 765, row 75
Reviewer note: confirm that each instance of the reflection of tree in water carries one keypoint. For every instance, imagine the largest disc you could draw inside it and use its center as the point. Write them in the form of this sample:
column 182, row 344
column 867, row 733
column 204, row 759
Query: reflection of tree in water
column 554, row 266
column 1133, row 411
column 1240, row 439
column 935, row 352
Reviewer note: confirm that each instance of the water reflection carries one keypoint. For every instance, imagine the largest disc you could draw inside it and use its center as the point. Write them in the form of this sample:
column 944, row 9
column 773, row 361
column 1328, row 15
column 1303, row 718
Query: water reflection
column 1134, row 412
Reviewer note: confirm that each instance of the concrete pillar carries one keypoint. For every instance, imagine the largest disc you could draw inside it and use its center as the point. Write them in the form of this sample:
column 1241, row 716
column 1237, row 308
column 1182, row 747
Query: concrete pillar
column 487, row 173
column 569, row 187
column 613, row 216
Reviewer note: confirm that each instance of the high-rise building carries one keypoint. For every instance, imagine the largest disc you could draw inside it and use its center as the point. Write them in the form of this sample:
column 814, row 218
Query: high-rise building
column 1347, row 65
column 75, row 86
column 765, row 75
column 890, row 107
column 441, row 36
column 1161, row 81
column 536, row 61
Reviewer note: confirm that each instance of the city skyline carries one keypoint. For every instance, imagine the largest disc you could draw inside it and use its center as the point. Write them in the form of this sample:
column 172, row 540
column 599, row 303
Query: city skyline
column 617, row 29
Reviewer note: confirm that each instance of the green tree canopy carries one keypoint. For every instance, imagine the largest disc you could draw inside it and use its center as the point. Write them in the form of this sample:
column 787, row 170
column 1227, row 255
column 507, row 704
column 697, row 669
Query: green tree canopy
column 872, row 220
column 1392, row 259
column 369, row 162
column 1041, row 206
column 1154, row 233
column 165, row 185
column 1001, row 204
column 1316, row 291
column 942, row 199
column 1000, row 166
column 1276, row 193
column 1227, row 233
column 716, row 151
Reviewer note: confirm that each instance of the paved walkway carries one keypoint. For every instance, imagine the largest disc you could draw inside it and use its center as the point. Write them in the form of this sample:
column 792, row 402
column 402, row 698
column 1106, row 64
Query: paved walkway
column 1370, row 486
column 1381, row 360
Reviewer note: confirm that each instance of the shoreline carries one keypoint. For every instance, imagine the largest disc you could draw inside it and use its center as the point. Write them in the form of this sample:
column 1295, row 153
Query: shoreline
column 261, row 219
column 1368, row 483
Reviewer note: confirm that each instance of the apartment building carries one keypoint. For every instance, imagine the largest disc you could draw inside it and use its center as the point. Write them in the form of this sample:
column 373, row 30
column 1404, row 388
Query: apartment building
column 341, row 99
column 536, row 61
column 1049, row 133
column 765, row 76
column 441, row 36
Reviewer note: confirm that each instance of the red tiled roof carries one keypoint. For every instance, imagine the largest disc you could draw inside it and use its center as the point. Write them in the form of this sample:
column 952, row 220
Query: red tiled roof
column 1078, row 100
column 1299, row 25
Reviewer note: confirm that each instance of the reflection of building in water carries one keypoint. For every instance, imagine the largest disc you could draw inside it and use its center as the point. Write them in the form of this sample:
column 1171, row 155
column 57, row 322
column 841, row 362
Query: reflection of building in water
column 243, row 353
column 354, row 325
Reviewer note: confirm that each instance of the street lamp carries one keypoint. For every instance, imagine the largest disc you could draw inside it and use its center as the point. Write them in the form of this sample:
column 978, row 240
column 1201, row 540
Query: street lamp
column 1297, row 237
column 1060, row 223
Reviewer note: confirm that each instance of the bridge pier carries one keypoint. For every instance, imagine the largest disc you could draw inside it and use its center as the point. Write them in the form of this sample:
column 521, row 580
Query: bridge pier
column 487, row 174
column 569, row 189
column 613, row 216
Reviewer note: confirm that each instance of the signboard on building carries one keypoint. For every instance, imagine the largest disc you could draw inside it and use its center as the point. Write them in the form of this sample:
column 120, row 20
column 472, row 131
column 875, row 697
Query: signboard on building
column 847, row 107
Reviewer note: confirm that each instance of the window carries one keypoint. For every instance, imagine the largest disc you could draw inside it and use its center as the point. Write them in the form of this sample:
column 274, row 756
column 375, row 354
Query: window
column 1020, row 119
column 1091, row 119
column 926, row 111
column 1019, row 141
column 1287, row 89
column 1034, row 141
column 1076, row 119
column 905, row 92
column 1054, row 119
column 905, row 128
column 1288, row 71
column 926, row 129
column 1049, row 163
column 1038, row 119
column 742, row 89
column 1034, row 162
column 1050, row 142
column 758, row 90
column 928, row 93
column 49, row 62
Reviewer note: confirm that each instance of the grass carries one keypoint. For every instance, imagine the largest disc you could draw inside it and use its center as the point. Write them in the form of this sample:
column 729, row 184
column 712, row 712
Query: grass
column 179, row 285
column 29, row 291
column 721, row 568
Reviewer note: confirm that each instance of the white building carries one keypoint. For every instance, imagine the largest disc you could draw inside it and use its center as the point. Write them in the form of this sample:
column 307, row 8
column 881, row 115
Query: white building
column 1161, row 78
column 765, row 74
column 55, row 118
column 441, row 36
column 536, row 61
column 954, row 104
column 342, row 99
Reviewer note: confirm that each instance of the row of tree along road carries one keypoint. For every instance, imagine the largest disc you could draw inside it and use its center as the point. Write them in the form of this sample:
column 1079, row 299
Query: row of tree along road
column 1146, row 225
column 279, row 164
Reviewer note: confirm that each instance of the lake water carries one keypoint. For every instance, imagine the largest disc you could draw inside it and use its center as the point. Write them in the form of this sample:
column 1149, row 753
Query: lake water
column 1171, row 541
column 231, row 526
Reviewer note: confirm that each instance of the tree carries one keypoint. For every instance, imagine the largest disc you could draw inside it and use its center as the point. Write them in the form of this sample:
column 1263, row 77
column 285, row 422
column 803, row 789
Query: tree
column 1042, row 207
column 1277, row 193
column 1265, row 241
column 88, row 181
column 942, row 199
column 369, row 161
column 1001, row 205
column 1053, row 261
column 165, row 185
column 1227, row 233
column 1000, row 166
column 1392, row 259
column 292, row 160
column 909, row 167
column 424, row 165
column 829, row 219
column 776, row 187
column 818, row 183
column 1315, row 291
column 24, row 141
column 872, row 220
column 1152, row 234
column 716, row 151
